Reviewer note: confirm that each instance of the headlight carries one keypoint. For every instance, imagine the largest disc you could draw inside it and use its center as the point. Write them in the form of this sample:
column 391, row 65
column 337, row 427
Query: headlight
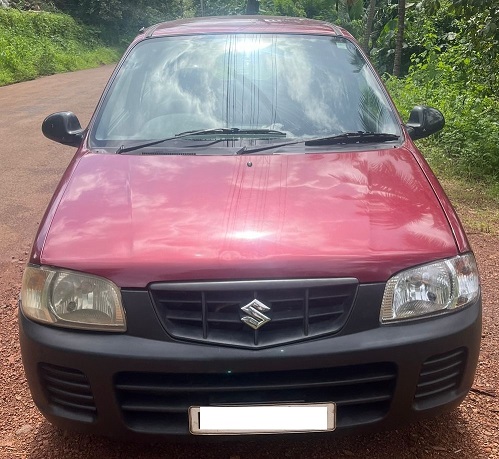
column 431, row 289
column 71, row 299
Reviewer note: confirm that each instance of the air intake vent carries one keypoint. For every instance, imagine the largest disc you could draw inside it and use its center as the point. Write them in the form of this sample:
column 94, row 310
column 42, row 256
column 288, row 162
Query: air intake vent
column 159, row 402
column 440, row 375
column 68, row 390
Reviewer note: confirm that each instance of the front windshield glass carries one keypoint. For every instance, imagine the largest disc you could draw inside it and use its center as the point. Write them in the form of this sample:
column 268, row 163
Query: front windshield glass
column 304, row 86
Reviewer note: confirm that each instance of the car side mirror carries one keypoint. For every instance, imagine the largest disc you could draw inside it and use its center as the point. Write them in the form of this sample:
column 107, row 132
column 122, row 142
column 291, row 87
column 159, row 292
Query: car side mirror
column 424, row 121
column 63, row 127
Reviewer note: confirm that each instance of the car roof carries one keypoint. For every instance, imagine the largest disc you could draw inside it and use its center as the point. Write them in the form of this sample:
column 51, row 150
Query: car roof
column 243, row 24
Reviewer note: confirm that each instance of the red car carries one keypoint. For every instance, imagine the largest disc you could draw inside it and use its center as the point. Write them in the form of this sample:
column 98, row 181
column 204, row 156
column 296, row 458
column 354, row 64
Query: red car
column 247, row 241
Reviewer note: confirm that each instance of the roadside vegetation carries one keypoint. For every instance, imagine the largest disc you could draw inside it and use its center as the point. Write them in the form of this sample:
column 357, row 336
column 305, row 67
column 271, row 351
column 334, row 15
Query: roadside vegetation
column 35, row 43
column 442, row 53
column 453, row 65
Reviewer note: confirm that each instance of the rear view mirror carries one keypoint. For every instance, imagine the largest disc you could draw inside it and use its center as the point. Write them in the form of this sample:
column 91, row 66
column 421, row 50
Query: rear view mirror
column 424, row 121
column 63, row 127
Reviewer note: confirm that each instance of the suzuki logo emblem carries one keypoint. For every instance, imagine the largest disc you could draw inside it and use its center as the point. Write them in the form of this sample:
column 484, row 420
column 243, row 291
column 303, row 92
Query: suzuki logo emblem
column 255, row 318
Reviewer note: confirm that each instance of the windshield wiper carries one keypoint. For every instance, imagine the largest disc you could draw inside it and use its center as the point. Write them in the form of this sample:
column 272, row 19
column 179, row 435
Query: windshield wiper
column 215, row 131
column 352, row 137
column 343, row 138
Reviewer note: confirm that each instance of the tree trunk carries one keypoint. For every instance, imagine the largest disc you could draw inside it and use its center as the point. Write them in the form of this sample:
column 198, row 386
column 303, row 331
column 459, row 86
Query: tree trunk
column 252, row 7
column 369, row 26
column 400, row 39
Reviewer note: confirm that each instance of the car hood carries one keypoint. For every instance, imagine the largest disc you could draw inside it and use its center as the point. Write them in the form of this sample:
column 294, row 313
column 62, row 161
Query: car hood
column 136, row 219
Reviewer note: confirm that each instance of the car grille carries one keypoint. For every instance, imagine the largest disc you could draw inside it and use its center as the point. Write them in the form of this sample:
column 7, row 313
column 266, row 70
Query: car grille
column 211, row 312
column 68, row 390
column 158, row 402
column 439, row 375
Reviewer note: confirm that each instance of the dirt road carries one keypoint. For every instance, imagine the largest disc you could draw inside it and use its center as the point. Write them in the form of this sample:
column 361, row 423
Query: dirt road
column 30, row 167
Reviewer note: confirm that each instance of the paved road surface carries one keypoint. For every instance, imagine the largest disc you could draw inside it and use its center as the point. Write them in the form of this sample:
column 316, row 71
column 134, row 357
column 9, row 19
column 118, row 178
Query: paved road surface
column 30, row 164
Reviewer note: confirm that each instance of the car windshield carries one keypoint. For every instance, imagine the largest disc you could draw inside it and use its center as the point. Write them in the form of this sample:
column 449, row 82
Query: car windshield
column 300, row 85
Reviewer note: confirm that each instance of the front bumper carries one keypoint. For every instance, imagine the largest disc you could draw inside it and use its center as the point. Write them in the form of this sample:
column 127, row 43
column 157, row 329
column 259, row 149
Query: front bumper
column 141, row 384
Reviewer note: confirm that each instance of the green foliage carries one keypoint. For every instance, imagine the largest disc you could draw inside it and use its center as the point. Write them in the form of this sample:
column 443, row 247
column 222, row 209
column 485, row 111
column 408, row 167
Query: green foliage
column 383, row 52
column 220, row 7
column 385, row 35
column 120, row 20
column 481, row 21
column 451, row 72
column 40, row 43
column 282, row 8
column 468, row 145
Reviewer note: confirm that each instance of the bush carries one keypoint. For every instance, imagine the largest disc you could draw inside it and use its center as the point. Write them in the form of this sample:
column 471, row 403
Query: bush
column 41, row 43
column 468, row 146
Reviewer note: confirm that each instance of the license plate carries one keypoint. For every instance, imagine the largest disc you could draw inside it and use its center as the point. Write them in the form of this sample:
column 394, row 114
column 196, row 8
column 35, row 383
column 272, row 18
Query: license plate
column 262, row 419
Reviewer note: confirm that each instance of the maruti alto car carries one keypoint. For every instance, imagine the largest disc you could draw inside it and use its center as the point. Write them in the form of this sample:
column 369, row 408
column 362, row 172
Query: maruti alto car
column 247, row 241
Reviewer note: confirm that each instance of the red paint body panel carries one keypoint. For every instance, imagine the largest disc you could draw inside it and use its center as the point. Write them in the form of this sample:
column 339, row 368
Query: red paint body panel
column 456, row 226
column 138, row 219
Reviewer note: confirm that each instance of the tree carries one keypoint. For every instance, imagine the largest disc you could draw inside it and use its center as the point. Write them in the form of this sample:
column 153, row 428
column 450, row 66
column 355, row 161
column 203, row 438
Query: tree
column 399, row 43
column 369, row 26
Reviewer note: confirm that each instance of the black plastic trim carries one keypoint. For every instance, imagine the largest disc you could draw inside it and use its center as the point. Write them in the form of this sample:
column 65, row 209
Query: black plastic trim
column 147, row 349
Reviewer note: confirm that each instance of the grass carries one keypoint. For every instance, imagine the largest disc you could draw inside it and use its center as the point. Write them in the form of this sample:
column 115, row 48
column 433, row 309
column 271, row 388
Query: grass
column 33, row 44
column 476, row 204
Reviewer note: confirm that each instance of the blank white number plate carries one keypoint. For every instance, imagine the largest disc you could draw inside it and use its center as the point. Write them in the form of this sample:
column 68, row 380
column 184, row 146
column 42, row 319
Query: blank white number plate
column 262, row 419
